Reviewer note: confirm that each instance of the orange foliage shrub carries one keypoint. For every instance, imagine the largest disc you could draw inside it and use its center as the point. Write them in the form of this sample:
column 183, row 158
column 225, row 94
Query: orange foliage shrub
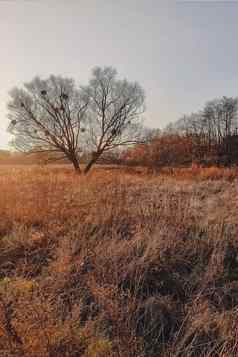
column 165, row 150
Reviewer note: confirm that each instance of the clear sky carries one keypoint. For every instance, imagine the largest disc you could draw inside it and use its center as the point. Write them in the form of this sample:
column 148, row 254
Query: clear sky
column 183, row 53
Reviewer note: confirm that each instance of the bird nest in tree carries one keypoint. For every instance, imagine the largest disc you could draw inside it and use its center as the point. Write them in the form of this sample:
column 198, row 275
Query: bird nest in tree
column 83, row 130
column 64, row 96
column 114, row 131
column 13, row 122
column 43, row 92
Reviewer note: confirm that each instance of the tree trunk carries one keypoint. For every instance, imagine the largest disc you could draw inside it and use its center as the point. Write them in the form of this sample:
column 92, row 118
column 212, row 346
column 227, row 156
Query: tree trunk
column 93, row 161
column 88, row 166
column 76, row 165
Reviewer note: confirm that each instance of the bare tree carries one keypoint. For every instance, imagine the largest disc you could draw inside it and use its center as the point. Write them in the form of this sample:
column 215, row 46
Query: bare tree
column 114, row 110
column 221, row 121
column 48, row 116
column 213, row 130
column 55, row 116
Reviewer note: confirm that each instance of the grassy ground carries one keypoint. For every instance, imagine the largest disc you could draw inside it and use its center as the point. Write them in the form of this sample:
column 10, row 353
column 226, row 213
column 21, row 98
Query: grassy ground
column 118, row 263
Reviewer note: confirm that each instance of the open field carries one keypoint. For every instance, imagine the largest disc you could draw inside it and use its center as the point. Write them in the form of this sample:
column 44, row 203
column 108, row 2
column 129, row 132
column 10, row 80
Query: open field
column 118, row 263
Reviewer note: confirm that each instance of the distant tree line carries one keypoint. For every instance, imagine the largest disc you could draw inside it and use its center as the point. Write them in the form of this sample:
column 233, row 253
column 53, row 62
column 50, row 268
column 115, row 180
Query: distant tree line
column 208, row 137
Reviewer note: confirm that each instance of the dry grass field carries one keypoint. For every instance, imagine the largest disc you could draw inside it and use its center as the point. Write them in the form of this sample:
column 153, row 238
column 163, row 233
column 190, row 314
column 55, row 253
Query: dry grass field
column 120, row 263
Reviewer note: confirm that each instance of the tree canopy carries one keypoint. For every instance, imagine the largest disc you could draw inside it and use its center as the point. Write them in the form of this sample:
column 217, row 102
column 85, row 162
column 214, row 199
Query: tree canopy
column 56, row 115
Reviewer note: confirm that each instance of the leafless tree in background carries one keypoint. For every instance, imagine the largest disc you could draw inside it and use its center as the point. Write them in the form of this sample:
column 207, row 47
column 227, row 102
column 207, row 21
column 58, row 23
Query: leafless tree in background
column 213, row 130
column 221, row 122
column 55, row 116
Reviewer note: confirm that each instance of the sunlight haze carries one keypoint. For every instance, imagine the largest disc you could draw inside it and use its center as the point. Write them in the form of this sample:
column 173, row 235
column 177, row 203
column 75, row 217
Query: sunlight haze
column 182, row 53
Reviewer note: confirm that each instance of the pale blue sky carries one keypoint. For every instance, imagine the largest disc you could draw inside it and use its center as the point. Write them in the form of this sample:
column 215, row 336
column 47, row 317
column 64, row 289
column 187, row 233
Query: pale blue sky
column 183, row 53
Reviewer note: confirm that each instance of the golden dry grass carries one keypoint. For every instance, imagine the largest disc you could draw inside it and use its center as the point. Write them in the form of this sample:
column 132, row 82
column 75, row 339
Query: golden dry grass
column 118, row 263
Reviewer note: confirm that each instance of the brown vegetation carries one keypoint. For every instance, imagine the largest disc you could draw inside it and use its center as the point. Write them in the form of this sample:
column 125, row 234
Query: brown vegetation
column 118, row 263
column 208, row 137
